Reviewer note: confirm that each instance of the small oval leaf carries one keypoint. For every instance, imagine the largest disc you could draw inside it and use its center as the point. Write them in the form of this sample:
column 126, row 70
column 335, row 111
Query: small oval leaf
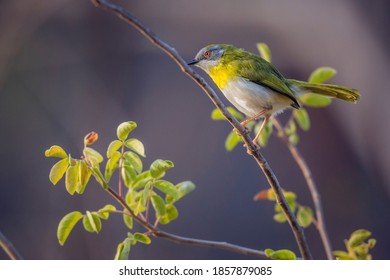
column 134, row 160
column 55, row 151
column 315, row 100
column 142, row 238
column 283, row 255
column 322, row 74
column 159, row 166
column 84, row 175
column 58, row 170
column 167, row 188
column 217, row 115
column 302, row 118
column 358, row 236
column 136, row 146
column 113, row 147
column 124, row 129
column 232, row 140
column 158, row 205
column 305, row 216
column 264, row 51
column 72, row 178
column 66, row 225
column 128, row 220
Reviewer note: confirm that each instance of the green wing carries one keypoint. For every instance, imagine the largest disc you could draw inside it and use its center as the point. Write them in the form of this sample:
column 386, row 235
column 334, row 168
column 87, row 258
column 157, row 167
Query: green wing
column 260, row 71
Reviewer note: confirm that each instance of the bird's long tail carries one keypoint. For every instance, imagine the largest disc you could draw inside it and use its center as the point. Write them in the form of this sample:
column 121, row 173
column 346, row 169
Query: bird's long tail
column 340, row 92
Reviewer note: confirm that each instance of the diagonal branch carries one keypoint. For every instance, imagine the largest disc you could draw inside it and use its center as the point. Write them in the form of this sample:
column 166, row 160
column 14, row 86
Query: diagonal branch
column 9, row 249
column 261, row 161
column 186, row 240
column 320, row 224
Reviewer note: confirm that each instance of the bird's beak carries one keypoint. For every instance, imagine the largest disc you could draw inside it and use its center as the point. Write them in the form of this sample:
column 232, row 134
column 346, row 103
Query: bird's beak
column 192, row 62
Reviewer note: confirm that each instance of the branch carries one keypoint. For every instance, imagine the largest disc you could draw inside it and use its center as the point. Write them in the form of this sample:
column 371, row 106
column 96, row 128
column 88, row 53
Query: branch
column 320, row 224
column 9, row 249
column 252, row 148
column 185, row 240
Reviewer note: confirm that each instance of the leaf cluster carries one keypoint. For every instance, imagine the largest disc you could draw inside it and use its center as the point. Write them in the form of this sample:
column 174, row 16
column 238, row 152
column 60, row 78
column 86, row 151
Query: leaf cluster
column 145, row 189
column 304, row 214
column 357, row 246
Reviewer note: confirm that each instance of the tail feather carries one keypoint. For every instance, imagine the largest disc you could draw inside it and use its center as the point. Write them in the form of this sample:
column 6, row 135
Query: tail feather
column 340, row 92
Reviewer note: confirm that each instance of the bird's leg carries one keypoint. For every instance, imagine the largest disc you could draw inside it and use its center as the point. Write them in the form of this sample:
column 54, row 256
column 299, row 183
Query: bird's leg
column 244, row 123
column 266, row 119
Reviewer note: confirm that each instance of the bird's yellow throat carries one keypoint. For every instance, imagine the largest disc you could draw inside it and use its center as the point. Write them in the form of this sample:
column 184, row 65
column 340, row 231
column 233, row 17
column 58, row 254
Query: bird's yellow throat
column 223, row 74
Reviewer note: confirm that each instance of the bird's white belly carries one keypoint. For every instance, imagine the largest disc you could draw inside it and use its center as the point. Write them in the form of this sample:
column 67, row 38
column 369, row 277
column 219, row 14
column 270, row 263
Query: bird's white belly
column 251, row 98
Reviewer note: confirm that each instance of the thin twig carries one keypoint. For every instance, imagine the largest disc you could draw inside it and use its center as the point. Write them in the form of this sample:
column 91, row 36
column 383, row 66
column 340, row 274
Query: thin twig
column 252, row 148
column 8, row 248
column 320, row 223
column 185, row 240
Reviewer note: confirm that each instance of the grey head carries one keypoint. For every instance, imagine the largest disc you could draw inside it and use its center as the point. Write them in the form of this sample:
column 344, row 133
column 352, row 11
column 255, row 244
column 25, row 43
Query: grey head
column 208, row 56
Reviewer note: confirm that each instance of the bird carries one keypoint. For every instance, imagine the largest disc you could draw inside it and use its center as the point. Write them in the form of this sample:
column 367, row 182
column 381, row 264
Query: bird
column 255, row 87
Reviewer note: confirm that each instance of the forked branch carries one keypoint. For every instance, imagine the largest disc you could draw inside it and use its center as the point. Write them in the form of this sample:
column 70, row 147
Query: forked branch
column 252, row 148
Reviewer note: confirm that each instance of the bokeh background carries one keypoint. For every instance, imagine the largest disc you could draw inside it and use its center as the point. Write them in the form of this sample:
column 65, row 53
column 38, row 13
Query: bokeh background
column 67, row 68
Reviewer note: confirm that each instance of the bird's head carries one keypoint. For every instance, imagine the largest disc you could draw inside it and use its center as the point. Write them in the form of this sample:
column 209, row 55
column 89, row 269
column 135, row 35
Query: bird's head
column 210, row 56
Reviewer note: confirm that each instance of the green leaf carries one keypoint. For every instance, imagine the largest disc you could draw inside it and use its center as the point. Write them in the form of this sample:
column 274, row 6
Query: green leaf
column 159, row 166
column 94, row 156
column 294, row 139
column 128, row 174
column 315, row 100
column 264, row 51
column 71, row 178
column 140, row 207
column 217, row 115
column 124, row 129
column 123, row 250
column 84, row 176
column 55, row 151
column 322, row 74
column 268, row 252
column 167, row 188
column 185, row 188
column 99, row 177
column 305, row 216
column 302, row 118
column 371, row 243
column 136, row 146
column 232, row 140
column 134, row 160
column 112, row 165
column 128, row 220
column 113, row 147
column 290, row 196
column 141, row 180
column 280, row 217
column 158, row 205
column 58, row 170
column 171, row 212
column 291, row 128
column 104, row 212
column 66, row 225
column 358, row 236
column 142, row 238
column 91, row 222
column 283, row 255
column 342, row 255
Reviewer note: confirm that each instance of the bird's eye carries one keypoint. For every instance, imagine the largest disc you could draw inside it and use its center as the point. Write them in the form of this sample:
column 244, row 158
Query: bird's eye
column 207, row 54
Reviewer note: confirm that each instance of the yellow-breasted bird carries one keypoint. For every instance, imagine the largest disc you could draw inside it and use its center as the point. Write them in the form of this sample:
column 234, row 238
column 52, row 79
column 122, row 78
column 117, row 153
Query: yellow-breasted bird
column 255, row 87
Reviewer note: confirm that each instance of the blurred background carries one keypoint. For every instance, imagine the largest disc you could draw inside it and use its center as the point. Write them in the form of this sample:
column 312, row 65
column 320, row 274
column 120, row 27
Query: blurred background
column 68, row 68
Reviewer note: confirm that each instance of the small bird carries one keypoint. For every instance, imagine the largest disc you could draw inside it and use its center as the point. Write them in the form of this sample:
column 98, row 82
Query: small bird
column 255, row 87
